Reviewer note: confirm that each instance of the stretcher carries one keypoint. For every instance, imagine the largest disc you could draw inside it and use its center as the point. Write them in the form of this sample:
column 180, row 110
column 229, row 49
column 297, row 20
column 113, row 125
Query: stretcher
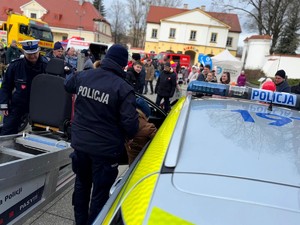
column 35, row 166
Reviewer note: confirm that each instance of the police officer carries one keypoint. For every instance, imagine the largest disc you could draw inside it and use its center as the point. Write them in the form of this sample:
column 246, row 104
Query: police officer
column 105, row 116
column 18, row 76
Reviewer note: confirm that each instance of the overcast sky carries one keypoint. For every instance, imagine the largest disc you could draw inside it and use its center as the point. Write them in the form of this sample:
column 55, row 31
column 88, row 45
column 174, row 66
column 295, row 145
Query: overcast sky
column 191, row 5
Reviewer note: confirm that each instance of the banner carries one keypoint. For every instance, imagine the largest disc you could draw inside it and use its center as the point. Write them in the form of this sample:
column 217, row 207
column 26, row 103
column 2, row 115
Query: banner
column 205, row 60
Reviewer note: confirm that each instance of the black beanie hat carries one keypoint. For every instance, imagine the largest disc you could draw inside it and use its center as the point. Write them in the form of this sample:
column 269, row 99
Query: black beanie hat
column 280, row 73
column 119, row 54
column 58, row 46
column 136, row 56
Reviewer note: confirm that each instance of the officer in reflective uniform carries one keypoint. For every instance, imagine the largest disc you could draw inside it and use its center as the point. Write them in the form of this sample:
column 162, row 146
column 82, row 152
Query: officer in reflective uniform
column 105, row 116
column 19, row 75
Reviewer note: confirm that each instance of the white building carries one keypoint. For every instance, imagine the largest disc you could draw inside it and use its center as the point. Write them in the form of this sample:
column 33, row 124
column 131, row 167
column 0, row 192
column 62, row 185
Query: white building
column 256, row 56
column 191, row 32
column 256, row 49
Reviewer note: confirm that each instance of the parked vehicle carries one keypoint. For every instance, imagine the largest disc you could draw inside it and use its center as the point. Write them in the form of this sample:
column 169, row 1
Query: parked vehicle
column 184, row 60
column 224, row 155
column 19, row 27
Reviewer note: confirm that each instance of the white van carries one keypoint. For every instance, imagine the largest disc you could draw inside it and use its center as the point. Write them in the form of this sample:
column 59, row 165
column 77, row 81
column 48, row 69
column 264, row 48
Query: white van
column 97, row 49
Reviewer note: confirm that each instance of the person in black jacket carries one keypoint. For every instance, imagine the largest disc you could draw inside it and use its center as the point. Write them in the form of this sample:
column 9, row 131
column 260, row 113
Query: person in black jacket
column 15, row 90
column 105, row 116
column 281, row 82
column 165, row 86
column 13, row 52
column 134, row 75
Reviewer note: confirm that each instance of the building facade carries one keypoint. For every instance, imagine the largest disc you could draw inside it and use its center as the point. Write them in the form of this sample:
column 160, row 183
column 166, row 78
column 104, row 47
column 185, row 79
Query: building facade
column 191, row 32
column 66, row 18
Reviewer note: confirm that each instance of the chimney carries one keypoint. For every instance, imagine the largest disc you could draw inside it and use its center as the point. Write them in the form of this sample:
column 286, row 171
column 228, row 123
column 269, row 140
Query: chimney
column 185, row 6
column 203, row 7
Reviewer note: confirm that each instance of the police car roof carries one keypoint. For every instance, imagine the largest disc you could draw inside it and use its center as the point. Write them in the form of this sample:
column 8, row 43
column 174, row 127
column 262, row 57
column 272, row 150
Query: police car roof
column 238, row 164
column 241, row 139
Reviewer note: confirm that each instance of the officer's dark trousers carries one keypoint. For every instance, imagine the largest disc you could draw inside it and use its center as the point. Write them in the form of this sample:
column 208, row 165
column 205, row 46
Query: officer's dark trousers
column 91, row 171
column 167, row 107
column 12, row 122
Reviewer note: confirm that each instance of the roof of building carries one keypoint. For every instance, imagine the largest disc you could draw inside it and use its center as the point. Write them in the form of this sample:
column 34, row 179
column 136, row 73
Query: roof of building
column 157, row 13
column 60, row 13
column 259, row 37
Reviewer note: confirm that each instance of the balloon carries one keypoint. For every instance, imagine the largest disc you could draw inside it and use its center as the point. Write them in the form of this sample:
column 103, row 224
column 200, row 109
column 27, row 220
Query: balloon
column 269, row 85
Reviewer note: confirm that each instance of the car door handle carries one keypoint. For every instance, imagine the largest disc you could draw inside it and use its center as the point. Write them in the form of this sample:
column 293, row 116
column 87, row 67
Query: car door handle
column 115, row 185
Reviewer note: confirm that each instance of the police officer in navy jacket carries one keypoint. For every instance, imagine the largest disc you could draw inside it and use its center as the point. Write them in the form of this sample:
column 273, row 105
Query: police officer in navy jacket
column 105, row 115
column 19, row 75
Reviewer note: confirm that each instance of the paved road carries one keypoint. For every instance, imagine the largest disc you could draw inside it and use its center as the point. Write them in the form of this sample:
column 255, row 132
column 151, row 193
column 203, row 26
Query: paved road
column 60, row 210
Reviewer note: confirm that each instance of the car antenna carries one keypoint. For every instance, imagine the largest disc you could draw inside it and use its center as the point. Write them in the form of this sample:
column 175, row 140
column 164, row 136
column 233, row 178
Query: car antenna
column 270, row 108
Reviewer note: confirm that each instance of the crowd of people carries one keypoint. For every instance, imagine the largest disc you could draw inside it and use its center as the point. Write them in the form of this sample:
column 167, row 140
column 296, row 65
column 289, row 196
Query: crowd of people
column 113, row 119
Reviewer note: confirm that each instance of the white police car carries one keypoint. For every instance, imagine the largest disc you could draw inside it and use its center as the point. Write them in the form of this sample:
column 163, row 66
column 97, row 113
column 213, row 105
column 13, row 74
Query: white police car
column 216, row 160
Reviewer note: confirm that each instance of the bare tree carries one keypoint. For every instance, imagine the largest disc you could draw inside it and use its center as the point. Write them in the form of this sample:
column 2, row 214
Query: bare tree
column 118, row 21
column 267, row 16
column 138, row 12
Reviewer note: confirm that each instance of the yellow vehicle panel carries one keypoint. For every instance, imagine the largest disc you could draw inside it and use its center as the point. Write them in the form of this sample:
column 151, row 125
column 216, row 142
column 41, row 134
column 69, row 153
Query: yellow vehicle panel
column 134, row 208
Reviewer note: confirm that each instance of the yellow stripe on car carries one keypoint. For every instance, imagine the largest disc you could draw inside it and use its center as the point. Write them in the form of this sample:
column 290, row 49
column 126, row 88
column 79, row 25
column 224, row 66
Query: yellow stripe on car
column 161, row 217
column 150, row 163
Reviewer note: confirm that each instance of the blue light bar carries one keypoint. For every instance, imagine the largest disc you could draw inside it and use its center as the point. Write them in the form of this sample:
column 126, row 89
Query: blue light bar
column 207, row 88
column 278, row 98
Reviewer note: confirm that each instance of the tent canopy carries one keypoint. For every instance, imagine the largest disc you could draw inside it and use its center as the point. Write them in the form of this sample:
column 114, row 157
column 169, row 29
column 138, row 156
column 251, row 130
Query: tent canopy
column 225, row 56
column 226, row 62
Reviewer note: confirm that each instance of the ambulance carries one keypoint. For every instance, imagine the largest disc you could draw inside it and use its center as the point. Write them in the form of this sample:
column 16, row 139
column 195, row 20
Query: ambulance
column 97, row 49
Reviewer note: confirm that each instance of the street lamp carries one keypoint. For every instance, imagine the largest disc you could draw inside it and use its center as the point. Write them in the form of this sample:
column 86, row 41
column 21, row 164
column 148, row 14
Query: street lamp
column 80, row 15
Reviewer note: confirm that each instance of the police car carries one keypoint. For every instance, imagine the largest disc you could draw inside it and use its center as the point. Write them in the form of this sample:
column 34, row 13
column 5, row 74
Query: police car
column 224, row 155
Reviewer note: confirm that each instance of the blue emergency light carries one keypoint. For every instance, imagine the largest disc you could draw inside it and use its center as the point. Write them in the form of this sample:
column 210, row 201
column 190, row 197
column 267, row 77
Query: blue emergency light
column 278, row 98
column 207, row 88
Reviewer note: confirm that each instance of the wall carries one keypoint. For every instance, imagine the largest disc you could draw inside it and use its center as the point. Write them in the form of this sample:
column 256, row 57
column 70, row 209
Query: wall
column 288, row 63
column 255, row 52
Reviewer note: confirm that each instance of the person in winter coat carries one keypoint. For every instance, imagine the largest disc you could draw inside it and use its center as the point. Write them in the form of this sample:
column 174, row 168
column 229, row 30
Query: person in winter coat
column 2, row 59
column 241, row 80
column 165, row 86
column 88, row 63
column 146, row 131
column 105, row 117
column 57, row 52
column 281, row 82
column 71, row 58
column 193, row 74
column 149, row 68
column 13, row 52
column 133, row 75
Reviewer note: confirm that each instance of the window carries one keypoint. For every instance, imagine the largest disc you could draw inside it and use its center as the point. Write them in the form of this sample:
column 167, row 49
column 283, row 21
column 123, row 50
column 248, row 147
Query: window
column 193, row 35
column 213, row 37
column 229, row 41
column 33, row 15
column 154, row 33
column 172, row 33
